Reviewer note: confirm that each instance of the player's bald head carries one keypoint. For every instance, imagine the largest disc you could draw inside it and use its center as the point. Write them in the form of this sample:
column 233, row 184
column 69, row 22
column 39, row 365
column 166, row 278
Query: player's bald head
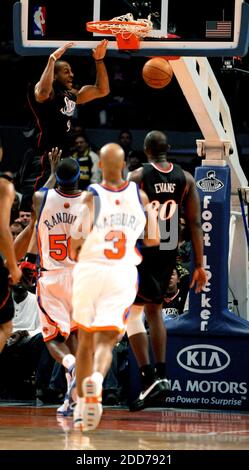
column 112, row 157
column 156, row 144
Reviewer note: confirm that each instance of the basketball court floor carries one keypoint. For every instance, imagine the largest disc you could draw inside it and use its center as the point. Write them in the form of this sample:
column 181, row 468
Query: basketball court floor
column 26, row 427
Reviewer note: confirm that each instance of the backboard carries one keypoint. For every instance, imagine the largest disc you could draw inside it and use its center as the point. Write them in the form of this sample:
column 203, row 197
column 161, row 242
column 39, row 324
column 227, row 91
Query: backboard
column 217, row 28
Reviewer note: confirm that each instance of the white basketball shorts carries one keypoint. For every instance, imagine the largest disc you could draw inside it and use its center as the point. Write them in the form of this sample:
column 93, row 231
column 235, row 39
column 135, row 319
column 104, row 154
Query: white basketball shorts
column 102, row 295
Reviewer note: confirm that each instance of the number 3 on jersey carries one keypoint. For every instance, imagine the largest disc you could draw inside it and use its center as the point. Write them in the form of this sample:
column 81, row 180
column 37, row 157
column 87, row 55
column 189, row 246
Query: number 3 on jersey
column 59, row 246
column 118, row 239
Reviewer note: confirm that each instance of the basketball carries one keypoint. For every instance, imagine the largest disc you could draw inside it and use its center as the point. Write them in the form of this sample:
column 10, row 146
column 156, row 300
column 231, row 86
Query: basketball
column 157, row 72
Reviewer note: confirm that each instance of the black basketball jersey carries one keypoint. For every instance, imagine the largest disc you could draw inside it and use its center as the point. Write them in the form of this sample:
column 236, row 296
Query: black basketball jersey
column 53, row 118
column 166, row 187
column 162, row 184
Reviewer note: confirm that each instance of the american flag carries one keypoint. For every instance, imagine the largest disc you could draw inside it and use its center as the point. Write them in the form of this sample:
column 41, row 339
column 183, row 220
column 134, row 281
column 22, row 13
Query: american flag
column 218, row 29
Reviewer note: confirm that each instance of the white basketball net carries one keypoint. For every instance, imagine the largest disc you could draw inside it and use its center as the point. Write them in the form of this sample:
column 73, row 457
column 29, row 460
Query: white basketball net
column 140, row 29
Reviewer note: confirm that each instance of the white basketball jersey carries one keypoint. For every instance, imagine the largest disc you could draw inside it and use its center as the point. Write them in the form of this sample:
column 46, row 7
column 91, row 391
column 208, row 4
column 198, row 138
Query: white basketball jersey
column 58, row 213
column 119, row 222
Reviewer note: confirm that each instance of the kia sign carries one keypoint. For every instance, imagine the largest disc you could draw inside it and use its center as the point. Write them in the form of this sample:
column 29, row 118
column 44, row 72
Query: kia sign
column 203, row 358
column 209, row 373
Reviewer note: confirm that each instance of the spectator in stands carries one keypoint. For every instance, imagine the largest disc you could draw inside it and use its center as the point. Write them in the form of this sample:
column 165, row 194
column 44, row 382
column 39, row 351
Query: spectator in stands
column 125, row 141
column 76, row 130
column 88, row 162
column 24, row 218
column 135, row 159
column 173, row 302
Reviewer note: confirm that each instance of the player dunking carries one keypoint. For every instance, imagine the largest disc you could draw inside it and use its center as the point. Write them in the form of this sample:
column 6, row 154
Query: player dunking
column 105, row 277
column 53, row 101
column 57, row 210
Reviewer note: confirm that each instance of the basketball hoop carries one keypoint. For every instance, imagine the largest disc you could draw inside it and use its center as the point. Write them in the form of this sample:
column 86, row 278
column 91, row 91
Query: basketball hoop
column 127, row 30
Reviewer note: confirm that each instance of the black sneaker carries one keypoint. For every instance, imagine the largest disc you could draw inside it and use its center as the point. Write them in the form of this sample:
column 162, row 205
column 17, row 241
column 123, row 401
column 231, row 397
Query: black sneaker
column 152, row 396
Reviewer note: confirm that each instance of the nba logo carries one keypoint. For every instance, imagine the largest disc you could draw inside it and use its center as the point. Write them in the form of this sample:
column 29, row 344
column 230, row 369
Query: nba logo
column 39, row 21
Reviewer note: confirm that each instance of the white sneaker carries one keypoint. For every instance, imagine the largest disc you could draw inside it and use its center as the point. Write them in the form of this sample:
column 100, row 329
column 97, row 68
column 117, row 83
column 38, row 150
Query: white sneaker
column 92, row 407
column 67, row 408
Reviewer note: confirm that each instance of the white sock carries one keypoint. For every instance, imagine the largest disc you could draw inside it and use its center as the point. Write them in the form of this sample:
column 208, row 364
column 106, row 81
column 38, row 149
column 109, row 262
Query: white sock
column 68, row 361
column 98, row 377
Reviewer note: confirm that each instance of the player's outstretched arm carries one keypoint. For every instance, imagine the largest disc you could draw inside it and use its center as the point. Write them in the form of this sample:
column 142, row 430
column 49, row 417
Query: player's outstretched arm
column 44, row 88
column 54, row 158
column 101, row 87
